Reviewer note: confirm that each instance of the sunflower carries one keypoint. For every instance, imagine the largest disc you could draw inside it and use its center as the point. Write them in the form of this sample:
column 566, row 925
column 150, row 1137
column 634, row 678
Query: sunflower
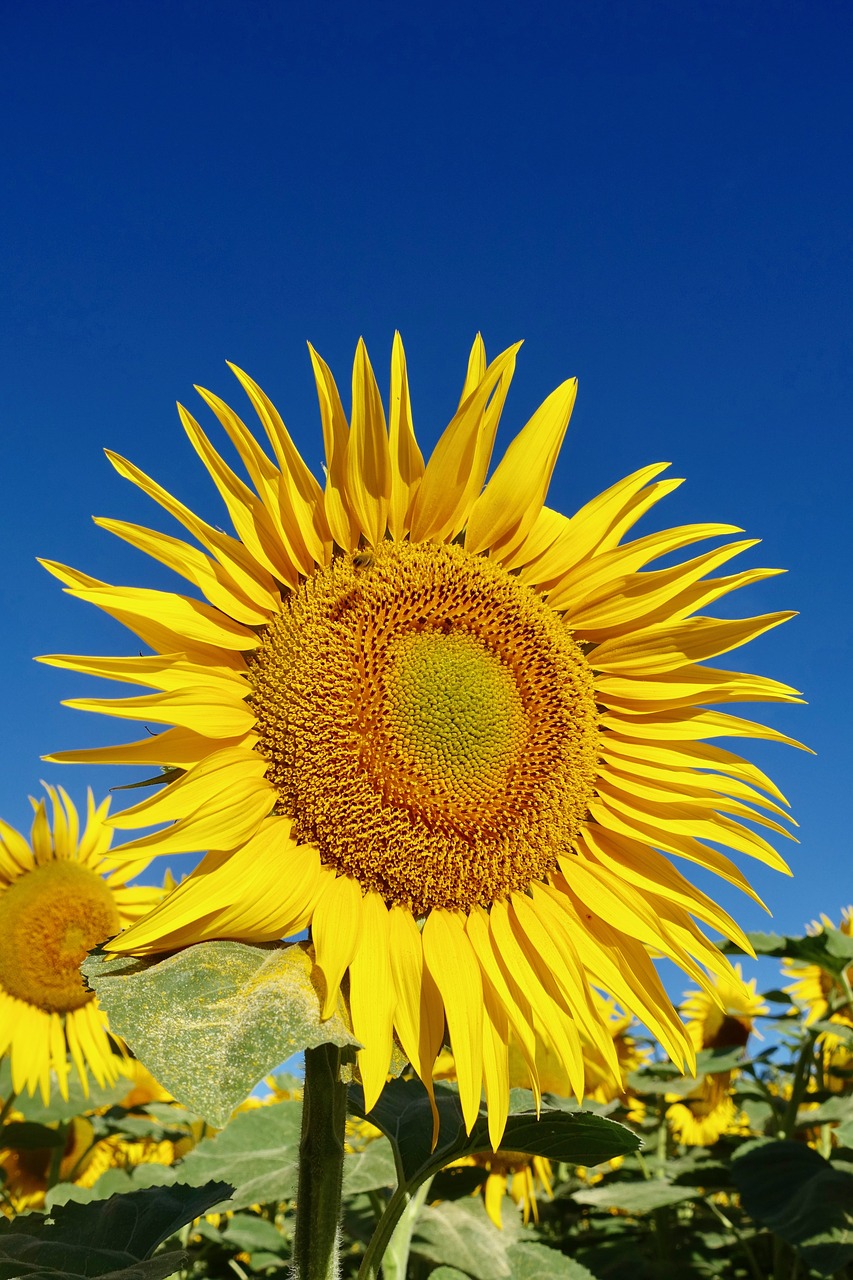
column 813, row 987
column 703, row 1117
column 724, row 1022
column 708, row 1112
column 26, row 1172
column 450, row 730
column 512, row 1173
column 59, row 897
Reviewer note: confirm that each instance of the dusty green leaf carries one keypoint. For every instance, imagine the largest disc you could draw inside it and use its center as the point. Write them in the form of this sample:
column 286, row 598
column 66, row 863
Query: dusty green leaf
column 212, row 1020
column 257, row 1153
column 113, row 1182
column 529, row 1261
column 371, row 1169
column 636, row 1197
column 804, row 1199
column 461, row 1235
column 254, row 1234
column 403, row 1114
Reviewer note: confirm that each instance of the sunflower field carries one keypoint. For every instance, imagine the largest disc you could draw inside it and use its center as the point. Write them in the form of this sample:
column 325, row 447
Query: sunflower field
column 745, row 1170
column 442, row 746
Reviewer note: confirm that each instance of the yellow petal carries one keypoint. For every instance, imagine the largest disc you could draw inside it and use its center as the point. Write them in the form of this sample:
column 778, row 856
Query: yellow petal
column 590, row 525
column 453, row 474
column 419, row 1013
column 407, row 464
column 511, row 999
column 450, row 959
column 255, row 581
column 258, row 527
column 197, row 568
column 220, row 804
column 335, row 932
column 516, row 493
column 172, row 623
column 303, row 492
column 207, row 781
column 342, row 521
column 368, row 462
column 665, row 647
column 211, row 712
column 371, row 994
column 262, row 891
column 176, row 748
column 495, row 1064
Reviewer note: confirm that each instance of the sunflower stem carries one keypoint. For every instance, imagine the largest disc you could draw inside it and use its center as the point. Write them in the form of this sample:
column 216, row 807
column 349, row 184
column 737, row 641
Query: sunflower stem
column 321, row 1166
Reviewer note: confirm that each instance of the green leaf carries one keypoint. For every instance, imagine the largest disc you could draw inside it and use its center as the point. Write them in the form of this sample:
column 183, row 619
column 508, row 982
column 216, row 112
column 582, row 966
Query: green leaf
column 257, row 1153
column 538, row 1262
column 447, row 1273
column 831, row 949
column 23, row 1135
column 805, row 1200
column 636, row 1197
column 371, row 1169
column 461, row 1235
column 80, row 1240
column 113, row 1182
column 403, row 1114
column 254, row 1234
column 212, row 1020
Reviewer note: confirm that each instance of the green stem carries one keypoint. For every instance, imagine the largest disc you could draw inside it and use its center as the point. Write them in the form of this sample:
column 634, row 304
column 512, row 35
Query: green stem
column 752, row 1263
column 395, row 1260
column 321, row 1166
column 8, row 1105
column 379, row 1241
column 798, row 1088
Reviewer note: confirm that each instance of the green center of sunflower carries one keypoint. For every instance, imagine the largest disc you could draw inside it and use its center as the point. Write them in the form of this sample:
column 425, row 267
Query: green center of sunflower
column 429, row 724
column 49, row 918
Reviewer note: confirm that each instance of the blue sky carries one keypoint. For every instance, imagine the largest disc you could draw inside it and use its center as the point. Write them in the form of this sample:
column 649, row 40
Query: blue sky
column 655, row 196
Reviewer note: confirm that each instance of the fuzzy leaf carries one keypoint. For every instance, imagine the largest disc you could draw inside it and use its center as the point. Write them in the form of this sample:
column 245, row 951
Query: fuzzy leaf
column 239, row 1009
column 804, row 1199
column 636, row 1197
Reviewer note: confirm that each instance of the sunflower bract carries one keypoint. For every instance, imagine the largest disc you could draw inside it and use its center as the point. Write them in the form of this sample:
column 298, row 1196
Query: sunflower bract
column 448, row 729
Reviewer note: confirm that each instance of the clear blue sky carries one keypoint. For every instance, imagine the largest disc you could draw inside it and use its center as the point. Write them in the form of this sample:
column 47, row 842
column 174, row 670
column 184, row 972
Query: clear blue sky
column 655, row 196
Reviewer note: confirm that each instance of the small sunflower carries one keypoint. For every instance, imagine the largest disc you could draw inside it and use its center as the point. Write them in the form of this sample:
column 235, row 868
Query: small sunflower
column 724, row 1022
column 25, row 1172
column 813, row 987
column 512, row 1173
column 59, row 897
column 450, row 730
column 703, row 1117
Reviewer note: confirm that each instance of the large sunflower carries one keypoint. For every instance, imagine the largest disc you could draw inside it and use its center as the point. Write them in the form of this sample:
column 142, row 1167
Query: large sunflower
column 58, row 898
column 447, row 728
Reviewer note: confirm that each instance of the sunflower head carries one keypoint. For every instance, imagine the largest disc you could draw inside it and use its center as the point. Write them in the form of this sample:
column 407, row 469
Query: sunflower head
column 812, row 987
column 724, row 1018
column 453, row 732
column 58, row 899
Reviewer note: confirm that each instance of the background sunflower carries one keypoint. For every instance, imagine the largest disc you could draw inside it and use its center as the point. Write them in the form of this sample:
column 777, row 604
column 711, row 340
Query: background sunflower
column 59, row 897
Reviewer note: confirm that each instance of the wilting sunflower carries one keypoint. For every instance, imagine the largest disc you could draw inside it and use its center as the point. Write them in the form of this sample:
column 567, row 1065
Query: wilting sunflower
column 447, row 728
column 59, row 897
